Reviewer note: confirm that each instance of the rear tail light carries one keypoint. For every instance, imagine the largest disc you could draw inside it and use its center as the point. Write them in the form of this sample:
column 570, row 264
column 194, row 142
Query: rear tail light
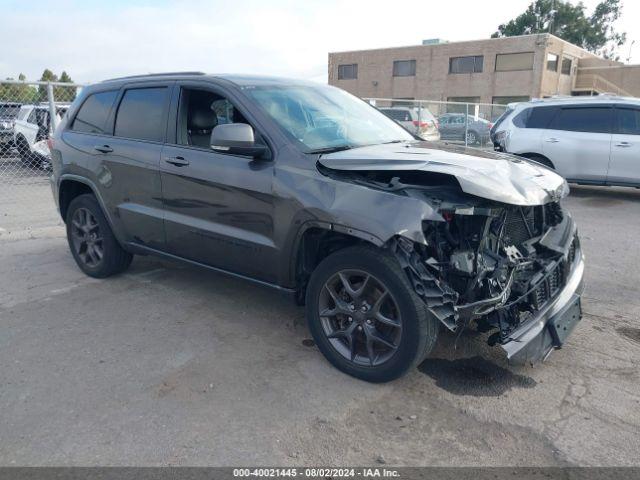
column 416, row 123
column 490, row 125
column 50, row 143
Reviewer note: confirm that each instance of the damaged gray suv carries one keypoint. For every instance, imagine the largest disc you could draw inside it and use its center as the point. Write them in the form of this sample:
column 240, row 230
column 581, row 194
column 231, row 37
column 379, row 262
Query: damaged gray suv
column 385, row 238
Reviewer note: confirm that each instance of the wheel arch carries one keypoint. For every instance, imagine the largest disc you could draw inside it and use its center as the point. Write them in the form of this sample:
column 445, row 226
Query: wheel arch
column 317, row 240
column 538, row 157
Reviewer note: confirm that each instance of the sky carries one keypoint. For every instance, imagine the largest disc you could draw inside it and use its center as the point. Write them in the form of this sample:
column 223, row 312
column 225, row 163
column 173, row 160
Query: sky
column 94, row 40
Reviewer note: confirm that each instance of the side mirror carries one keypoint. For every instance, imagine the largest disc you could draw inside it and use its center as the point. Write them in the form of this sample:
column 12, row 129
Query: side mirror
column 236, row 139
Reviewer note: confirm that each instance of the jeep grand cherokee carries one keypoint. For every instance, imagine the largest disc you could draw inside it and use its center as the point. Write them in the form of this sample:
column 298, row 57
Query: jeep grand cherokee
column 307, row 189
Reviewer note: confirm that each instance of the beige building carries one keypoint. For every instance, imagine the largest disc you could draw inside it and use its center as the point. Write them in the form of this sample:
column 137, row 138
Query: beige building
column 497, row 70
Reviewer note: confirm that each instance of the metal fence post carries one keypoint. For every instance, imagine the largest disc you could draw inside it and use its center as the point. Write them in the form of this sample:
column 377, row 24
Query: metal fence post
column 52, row 108
column 466, row 124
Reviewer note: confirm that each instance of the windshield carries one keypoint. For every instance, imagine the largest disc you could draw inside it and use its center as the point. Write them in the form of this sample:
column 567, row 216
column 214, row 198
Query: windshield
column 324, row 118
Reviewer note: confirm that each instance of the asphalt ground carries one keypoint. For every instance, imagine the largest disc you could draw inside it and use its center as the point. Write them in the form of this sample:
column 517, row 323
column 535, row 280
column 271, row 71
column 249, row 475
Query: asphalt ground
column 173, row 365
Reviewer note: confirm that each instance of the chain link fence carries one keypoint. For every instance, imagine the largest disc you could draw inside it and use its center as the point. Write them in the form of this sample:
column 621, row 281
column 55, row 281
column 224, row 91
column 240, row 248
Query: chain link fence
column 29, row 113
column 454, row 122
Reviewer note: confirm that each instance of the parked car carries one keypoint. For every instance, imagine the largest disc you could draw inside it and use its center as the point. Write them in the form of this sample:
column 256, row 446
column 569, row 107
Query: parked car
column 315, row 193
column 452, row 127
column 8, row 113
column 589, row 140
column 420, row 122
column 31, row 131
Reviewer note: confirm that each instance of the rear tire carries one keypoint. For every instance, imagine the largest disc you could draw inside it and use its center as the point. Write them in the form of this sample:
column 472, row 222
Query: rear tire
column 402, row 330
column 93, row 245
column 24, row 152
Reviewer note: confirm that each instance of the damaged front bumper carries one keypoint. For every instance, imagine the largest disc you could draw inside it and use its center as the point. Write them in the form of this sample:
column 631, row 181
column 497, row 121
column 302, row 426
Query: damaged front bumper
column 549, row 328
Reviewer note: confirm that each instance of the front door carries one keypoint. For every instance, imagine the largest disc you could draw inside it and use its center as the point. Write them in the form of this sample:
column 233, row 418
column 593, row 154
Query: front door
column 624, row 167
column 218, row 208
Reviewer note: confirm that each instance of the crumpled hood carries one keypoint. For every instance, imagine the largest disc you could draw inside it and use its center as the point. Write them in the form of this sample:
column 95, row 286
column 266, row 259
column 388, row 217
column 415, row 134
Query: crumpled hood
column 495, row 176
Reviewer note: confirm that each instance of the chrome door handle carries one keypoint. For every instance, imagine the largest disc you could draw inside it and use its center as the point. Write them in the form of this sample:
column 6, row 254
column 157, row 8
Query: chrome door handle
column 552, row 140
column 623, row 144
column 103, row 148
column 177, row 161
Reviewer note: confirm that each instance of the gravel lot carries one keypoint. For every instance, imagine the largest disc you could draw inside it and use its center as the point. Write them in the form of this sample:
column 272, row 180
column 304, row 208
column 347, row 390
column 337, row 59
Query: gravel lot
column 172, row 365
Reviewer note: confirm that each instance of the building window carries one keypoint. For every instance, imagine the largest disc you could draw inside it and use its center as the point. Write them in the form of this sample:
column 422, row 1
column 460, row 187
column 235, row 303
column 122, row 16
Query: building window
column 347, row 72
column 466, row 64
column 510, row 62
column 566, row 66
column 404, row 68
column 552, row 62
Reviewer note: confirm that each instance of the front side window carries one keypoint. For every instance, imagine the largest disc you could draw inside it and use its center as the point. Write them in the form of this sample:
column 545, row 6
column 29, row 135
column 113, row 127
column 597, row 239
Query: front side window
column 509, row 62
column 566, row 66
column 552, row 62
column 466, row 64
column 92, row 116
column 321, row 117
column 584, row 119
column 628, row 121
column 200, row 112
column 141, row 114
column 404, row 68
column 348, row 72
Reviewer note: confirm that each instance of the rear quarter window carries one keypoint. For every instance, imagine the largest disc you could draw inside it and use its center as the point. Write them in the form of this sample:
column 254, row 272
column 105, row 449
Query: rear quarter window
column 535, row 117
column 93, row 113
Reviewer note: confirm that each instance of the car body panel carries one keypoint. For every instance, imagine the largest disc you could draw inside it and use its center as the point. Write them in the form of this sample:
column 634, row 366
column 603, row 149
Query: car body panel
column 499, row 177
column 584, row 155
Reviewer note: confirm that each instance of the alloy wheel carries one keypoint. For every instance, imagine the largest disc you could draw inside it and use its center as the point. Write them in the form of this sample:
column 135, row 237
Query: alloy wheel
column 86, row 237
column 360, row 317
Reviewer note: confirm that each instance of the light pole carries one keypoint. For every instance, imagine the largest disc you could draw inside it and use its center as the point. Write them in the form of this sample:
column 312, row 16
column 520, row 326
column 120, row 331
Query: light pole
column 630, row 47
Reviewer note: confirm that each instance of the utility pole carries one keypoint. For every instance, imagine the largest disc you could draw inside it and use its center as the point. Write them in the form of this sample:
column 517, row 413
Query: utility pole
column 630, row 47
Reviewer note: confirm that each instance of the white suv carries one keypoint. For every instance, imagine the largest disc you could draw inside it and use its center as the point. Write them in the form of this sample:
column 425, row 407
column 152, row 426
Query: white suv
column 588, row 140
column 31, row 131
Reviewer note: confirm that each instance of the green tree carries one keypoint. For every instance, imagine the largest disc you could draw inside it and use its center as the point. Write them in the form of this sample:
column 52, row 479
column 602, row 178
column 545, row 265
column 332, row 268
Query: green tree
column 47, row 76
column 595, row 33
column 15, row 92
column 64, row 94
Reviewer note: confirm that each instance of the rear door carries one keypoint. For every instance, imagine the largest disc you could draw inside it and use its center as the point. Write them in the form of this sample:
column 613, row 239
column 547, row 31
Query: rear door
column 578, row 142
column 624, row 167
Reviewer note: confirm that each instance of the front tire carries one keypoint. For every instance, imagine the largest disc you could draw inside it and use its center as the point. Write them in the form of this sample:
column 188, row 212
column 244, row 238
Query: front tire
column 365, row 317
column 93, row 245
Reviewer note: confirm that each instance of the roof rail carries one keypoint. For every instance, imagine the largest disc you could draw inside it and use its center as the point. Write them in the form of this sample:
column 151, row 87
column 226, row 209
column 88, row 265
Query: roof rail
column 166, row 74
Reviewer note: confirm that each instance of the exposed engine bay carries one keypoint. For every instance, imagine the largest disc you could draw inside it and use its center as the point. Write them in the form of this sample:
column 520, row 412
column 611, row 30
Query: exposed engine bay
column 483, row 262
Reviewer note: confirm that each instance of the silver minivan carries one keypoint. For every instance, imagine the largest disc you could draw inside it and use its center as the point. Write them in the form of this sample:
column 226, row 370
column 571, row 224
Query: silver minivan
column 589, row 140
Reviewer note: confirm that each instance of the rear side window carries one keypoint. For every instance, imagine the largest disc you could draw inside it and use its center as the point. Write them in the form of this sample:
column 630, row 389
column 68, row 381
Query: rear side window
column 399, row 115
column 628, row 121
column 140, row 114
column 535, row 117
column 92, row 116
column 584, row 119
